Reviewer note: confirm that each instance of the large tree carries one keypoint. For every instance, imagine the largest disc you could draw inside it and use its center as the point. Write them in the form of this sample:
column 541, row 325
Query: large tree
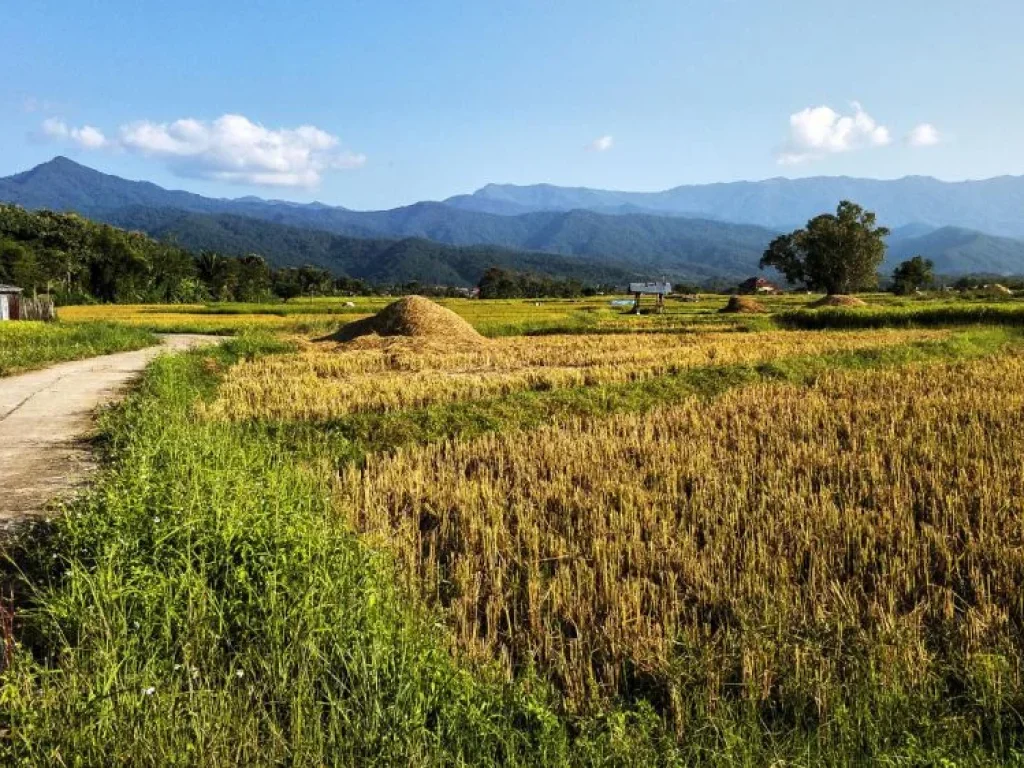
column 834, row 253
column 913, row 275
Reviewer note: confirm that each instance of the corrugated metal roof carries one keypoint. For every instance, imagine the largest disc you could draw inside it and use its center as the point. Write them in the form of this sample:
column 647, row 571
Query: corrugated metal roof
column 661, row 288
column 9, row 288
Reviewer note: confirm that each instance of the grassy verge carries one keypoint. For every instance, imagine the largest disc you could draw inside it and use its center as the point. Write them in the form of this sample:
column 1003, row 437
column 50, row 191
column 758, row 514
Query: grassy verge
column 28, row 345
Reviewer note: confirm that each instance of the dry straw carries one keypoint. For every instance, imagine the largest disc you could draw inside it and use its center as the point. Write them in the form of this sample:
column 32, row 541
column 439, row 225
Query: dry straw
column 416, row 317
column 838, row 300
column 743, row 305
column 327, row 380
column 759, row 546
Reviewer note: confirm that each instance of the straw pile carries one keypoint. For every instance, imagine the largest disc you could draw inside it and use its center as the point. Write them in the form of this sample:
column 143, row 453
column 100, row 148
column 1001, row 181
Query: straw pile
column 838, row 300
column 743, row 305
column 413, row 317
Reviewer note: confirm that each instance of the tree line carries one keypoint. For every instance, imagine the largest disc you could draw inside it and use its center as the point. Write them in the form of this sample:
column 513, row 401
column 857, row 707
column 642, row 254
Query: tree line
column 77, row 260
column 499, row 283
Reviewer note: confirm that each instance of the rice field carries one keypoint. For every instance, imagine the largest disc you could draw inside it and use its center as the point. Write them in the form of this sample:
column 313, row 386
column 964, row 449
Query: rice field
column 781, row 546
column 327, row 380
column 686, row 539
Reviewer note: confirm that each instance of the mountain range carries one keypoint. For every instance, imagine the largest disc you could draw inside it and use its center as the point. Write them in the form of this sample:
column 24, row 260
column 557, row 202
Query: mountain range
column 993, row 206
column 698, row 233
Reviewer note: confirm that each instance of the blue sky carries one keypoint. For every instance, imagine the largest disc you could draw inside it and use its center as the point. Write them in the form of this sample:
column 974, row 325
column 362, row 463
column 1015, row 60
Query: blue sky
column 403, row 101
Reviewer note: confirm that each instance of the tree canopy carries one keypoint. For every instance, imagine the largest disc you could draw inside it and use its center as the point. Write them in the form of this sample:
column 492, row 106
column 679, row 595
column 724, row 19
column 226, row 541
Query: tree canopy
column 78, row 260
column 498, row 283
column 834, row 253
column 913, row 275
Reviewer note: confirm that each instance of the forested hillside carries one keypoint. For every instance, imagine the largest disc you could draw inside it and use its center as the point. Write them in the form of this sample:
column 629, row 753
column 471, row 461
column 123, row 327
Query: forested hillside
column 228, row 257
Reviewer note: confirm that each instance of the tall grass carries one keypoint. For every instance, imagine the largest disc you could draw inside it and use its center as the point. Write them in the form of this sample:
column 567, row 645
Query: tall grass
column 28, row 345
column 947, row 315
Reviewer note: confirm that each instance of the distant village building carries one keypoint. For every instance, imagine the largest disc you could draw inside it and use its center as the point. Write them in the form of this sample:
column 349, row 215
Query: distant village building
column 758, row 285
column 10, row 302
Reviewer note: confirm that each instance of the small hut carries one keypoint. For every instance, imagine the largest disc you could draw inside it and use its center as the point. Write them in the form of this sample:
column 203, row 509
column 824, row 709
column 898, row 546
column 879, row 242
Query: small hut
column 661, row 290
column 758, row 286
column 10, row 302
column 15, row 306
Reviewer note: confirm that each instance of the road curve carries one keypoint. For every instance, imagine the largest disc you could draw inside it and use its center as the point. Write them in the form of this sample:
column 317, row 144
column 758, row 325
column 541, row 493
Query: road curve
column 46, row 417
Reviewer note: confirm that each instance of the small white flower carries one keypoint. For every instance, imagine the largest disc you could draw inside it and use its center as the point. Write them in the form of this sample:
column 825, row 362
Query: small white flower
column 156, row 519
column 238, row 673
column 177, row 667
column 135, row 624
column 148, row 691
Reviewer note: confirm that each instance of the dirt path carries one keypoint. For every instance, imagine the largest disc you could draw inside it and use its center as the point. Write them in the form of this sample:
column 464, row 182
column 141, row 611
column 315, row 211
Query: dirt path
column 46, row 416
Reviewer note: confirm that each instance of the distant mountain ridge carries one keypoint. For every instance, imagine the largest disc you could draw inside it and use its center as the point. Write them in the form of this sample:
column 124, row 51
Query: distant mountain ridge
column 994, row 206
column 683, row 234
column 690, row 249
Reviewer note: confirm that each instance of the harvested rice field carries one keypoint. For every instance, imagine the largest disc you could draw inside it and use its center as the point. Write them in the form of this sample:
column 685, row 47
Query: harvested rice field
column 496, row 533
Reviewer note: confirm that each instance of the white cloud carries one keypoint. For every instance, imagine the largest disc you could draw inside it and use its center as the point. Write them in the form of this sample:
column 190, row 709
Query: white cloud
column 86, row 137
column 818, row 131
column 601, row 144
column 924, row 135
column 231, row 149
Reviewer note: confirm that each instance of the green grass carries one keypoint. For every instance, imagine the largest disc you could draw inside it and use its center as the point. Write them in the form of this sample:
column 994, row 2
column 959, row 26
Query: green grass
column 204, row 606
column 926, row 315
column 28, row 345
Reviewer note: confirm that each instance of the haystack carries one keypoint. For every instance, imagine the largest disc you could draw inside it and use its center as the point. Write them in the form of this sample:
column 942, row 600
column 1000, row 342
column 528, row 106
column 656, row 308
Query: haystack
column 413, row 317
column 743, row 305
column 838, row 300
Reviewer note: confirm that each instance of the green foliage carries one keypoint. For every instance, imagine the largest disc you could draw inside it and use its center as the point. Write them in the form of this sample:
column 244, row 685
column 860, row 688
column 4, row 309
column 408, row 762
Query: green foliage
column 74, row 258
column 1011, row 315
column 913, row 275
column 498, row 283
column 838, row 253
column 78, row 259
column 27, row 345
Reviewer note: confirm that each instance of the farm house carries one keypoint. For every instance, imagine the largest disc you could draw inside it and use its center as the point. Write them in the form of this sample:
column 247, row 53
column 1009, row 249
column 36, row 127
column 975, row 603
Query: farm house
column 758, row 285
column 10, row 302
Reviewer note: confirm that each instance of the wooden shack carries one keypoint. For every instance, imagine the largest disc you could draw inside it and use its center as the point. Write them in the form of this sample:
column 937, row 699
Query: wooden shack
column 661, row 290
column 10, row 302
column 15, row 306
